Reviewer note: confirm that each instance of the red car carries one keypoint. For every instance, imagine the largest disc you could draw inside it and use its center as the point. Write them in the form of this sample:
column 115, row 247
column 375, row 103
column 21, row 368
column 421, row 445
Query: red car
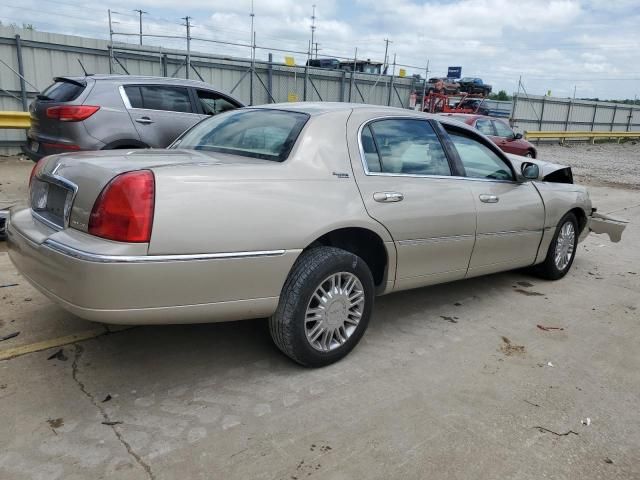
column 500, row 133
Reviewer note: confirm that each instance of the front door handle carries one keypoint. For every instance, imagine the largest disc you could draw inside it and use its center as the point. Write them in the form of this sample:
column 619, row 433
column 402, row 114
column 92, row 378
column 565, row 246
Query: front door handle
column 388, row 197
column 144, row 120
column 486, row 198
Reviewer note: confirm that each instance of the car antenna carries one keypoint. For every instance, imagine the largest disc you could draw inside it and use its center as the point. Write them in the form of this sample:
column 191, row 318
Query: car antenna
column 84, row 69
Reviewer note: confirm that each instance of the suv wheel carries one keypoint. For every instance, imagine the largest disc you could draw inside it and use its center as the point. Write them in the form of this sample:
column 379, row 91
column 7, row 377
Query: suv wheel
column 324, row 307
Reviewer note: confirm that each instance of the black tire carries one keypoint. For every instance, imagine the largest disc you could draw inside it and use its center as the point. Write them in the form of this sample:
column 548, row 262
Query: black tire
column 548, row 269
column 287, row 324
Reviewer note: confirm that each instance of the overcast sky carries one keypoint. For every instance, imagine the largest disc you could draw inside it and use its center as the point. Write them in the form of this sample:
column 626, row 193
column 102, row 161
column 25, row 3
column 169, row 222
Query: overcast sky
column 555, row 45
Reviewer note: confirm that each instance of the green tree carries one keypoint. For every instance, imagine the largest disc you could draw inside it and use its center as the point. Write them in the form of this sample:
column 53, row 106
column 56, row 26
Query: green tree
column 501, row 95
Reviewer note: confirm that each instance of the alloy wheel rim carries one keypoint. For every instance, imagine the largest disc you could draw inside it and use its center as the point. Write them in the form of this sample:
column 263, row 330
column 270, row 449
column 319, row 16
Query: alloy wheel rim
column 334, row 311
column 565, row 245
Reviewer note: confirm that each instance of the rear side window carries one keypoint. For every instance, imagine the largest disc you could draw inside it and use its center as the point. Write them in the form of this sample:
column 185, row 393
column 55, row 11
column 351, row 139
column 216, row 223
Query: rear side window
column 405, row 146
column 62, row 91
column 258, row 133
column 156, row 97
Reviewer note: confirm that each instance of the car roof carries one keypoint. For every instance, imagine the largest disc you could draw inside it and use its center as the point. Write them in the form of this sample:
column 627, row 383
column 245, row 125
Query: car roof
column 470, row 116
column 319, row 108
column 127, row 79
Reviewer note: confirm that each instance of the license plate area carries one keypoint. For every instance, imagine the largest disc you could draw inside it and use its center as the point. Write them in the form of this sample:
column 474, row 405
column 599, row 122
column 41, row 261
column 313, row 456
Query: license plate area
column 51, row 203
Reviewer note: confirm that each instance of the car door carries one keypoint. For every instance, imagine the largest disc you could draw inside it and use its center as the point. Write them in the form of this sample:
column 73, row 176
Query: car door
column 510, row 213
column 405, row 179
column 159, row 112
column 506, row 139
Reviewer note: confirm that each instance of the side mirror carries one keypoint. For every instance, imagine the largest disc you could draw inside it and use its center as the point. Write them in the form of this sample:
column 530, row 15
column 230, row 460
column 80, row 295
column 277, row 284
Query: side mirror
column 517, row 136
column 530, row 171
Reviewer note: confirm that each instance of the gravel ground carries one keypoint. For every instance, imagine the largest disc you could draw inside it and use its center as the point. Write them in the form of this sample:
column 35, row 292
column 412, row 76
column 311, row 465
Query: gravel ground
column 603, row 164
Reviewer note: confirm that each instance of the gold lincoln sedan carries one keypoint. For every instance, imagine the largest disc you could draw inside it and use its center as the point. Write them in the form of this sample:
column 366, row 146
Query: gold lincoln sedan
column 302, row 213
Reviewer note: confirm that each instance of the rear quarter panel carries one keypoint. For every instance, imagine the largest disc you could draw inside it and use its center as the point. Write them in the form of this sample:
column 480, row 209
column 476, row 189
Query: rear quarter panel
column 262, row 205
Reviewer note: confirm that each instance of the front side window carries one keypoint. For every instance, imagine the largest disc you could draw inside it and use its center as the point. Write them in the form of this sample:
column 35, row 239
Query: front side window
column 503, row 130
column 404, row 146
column 213, row 103
column 156, row 97
column 258, row 133
column 479, row 161
column 484, row 126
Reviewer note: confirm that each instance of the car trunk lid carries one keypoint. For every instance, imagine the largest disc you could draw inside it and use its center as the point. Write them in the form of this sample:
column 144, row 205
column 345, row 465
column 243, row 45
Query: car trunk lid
column 65, row 187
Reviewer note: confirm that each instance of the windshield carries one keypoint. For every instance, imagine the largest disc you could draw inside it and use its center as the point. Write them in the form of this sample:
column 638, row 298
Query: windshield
column 258, row 133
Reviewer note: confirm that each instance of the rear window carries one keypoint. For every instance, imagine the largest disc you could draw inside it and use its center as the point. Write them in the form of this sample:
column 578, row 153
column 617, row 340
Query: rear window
column 259, row 133
column 62, row 91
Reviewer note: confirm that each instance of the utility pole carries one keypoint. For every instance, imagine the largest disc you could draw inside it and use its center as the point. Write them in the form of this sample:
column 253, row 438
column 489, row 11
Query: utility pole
column 385, row 64
column 253, row 54
column 313, row 29
column 110, row 43
column 140, row 13
column 424, row 85
column 187, row 23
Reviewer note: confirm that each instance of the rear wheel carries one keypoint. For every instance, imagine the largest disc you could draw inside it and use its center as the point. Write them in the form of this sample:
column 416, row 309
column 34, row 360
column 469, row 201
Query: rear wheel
column 562, row 250
column 324, row 307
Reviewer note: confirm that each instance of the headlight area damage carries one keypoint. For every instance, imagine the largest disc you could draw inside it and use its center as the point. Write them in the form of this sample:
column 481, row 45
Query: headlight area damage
column 556, row 173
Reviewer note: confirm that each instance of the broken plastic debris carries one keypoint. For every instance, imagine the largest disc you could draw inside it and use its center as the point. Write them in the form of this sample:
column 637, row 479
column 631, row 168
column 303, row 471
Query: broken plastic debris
column 586, row 422
column 549, row 364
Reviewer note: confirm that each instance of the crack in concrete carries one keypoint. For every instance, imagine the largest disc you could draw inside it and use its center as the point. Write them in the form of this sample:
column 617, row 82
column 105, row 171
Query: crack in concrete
column 107, row 421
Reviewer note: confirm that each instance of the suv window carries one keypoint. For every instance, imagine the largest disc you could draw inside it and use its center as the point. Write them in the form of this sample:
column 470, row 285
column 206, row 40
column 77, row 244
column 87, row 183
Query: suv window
column 62, row 91
column 406, row 146
column 479, row 161
column 503, row 130
column 213, row 103
column 484, row 126
column 156, row 97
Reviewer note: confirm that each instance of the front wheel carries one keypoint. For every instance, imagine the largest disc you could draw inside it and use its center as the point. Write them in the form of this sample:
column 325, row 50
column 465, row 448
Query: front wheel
column 324, row 307
column 562, row 249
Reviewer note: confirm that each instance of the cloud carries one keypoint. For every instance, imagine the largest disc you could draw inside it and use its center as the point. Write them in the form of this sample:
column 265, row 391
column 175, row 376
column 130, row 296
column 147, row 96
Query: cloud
column 550, row 43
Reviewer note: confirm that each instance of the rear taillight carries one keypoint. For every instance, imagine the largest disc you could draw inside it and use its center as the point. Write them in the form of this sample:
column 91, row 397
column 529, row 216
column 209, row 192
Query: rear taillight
column 71, row 113
column 124, row 210
column 35, row 170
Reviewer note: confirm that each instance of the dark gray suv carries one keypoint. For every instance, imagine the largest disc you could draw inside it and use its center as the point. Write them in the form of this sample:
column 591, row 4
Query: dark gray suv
column 101, row 112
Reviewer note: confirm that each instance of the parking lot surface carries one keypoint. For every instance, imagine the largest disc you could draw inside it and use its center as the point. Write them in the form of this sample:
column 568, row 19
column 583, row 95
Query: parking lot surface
column 458, row 381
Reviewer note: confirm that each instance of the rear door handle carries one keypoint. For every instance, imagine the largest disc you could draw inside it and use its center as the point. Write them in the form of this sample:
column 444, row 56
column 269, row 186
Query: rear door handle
column 388, row 196
column 144, row 120
column 486, row 198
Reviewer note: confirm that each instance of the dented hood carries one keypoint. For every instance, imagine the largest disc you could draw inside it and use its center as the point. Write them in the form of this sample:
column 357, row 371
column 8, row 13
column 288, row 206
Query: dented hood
column 549, row 172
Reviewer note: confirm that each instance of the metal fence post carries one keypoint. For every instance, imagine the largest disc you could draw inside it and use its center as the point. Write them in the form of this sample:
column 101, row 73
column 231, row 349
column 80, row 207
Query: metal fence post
column 514, row 104
column 541, row 114
column 629, row 118
column 613, row 119
column 566, row 122
column 23, row 86
column 165, row 66
column 270, row 77
column 593, row 119
column 343, row 82
column 393, row 72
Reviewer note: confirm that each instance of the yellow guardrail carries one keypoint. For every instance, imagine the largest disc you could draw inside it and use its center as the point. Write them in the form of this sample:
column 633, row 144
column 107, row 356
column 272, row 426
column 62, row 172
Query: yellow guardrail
column 19, row 120
column 580, row 135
